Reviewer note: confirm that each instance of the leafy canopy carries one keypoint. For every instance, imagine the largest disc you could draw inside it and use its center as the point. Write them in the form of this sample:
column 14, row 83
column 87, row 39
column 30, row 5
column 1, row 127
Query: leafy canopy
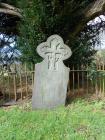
column 63, row 17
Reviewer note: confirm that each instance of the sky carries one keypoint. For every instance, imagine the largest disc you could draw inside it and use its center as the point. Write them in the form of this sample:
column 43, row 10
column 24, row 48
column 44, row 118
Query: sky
column 102, row 34
column 8, row 51
column 102, row 39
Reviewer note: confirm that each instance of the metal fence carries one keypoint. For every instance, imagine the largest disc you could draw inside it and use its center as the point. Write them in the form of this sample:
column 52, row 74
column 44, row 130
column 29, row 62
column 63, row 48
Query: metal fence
column 18, row 82
column 87, row 80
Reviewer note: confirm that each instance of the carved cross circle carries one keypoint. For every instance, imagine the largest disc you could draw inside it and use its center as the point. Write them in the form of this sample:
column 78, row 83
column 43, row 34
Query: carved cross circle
column 54, row 50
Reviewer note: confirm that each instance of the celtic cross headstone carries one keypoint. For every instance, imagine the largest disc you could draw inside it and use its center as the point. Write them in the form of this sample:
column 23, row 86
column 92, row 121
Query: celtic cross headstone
column 51, row 75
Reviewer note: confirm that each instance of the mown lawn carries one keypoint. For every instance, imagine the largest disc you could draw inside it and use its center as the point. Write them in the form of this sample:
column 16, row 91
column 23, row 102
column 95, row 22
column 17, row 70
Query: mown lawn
column 81, row 120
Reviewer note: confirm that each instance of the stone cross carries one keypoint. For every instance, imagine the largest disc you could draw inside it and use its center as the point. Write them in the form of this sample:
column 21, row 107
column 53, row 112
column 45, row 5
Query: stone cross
column 51, row 75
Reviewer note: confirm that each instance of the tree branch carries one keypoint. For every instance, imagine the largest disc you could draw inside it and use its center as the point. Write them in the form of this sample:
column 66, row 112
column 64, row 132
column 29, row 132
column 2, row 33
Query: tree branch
column 8, row 6
column 95, row 9
column 11, row 10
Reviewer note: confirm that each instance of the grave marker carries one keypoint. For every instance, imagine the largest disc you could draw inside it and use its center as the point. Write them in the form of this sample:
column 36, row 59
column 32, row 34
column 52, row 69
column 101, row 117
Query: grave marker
column 51, row 75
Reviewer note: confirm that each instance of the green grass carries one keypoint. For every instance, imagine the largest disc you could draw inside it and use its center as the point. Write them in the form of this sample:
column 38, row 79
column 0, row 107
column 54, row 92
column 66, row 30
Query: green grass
column 81, row 120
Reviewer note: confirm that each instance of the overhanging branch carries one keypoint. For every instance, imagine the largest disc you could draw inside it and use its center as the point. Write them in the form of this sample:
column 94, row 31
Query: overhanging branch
column 10, row 12
column 8, row 6
column 95, row 9
column 9, row 9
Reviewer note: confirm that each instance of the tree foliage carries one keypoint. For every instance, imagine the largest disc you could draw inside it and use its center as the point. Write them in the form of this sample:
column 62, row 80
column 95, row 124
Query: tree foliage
column 44, row 18
column 67, row 18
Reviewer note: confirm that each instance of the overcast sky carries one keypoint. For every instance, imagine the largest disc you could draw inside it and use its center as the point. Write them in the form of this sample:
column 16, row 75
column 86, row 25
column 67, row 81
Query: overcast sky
column 102, row 34
column 102, row 41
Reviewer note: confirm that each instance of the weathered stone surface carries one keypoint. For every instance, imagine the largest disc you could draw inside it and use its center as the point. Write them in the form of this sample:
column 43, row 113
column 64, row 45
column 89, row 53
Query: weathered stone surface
column 51, row 75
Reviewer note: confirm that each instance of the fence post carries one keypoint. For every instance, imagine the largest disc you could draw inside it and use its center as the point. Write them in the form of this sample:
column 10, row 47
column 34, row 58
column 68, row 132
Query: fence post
column 3, row 84
column 78, row 78
column 68, row 86
column 14, row 79
column 20, row 81
column 9, row 86
column 26, row 80
column 96, row 84
column 103, row 80
column 73, row 78
column 100, row 80
column 87, row 79
column 82, row 77
column 32, row 72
